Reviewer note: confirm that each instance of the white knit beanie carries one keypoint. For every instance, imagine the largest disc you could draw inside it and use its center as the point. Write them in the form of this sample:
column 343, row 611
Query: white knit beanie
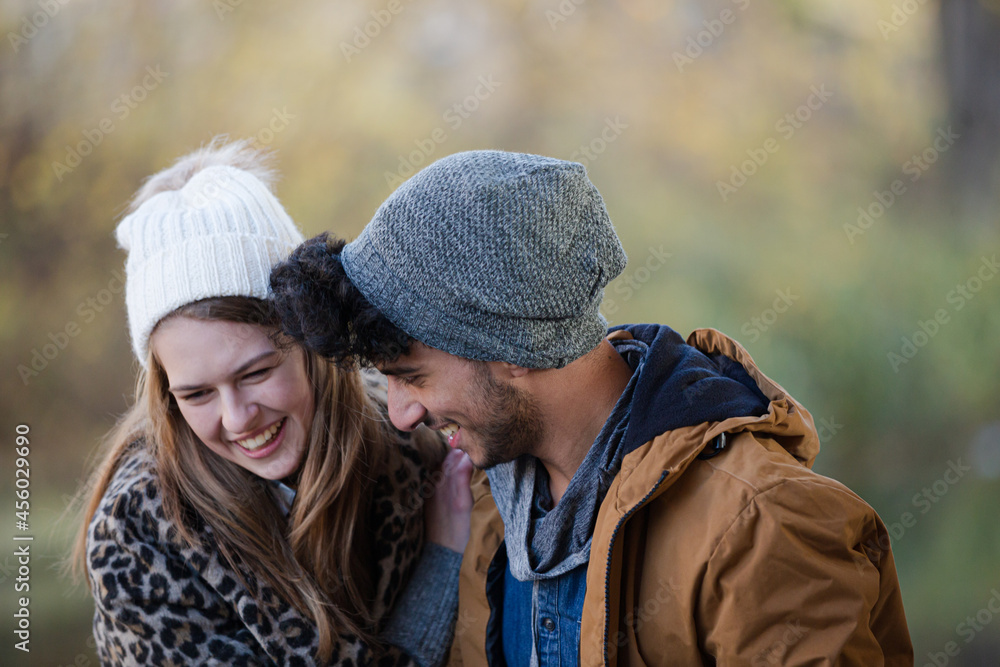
column 219, row 235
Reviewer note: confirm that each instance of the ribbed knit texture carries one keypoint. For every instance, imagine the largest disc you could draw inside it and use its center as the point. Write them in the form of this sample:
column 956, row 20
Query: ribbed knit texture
column 219, row 235
column 493, row 256
column 423, row 621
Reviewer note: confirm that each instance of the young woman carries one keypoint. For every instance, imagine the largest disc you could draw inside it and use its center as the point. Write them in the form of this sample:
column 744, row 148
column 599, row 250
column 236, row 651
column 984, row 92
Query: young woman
column 254, row 506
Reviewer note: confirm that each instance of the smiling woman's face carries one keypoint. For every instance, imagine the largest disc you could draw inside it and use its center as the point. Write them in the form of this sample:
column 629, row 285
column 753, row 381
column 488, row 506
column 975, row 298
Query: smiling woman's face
column 246, row 400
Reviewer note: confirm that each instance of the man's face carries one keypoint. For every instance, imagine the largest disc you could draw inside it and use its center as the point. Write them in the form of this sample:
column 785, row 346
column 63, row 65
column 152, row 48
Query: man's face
column 488, row 418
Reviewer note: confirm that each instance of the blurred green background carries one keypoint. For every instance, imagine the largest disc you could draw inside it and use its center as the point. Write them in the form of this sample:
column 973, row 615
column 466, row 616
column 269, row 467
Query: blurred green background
column 734, row 143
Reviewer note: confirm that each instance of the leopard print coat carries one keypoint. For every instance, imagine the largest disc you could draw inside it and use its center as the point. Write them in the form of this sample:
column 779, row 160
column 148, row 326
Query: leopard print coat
column 161, row 603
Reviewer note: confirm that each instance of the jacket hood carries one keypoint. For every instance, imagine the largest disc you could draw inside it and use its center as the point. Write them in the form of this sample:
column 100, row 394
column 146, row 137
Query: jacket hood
column 721, row 390
column 679, row 385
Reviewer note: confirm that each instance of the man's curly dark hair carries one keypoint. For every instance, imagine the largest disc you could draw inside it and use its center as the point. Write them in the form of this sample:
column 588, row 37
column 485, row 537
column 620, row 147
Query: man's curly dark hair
column 321, row 308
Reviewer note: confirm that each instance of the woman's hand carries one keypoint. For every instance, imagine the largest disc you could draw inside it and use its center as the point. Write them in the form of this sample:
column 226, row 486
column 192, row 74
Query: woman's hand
column 447, row 512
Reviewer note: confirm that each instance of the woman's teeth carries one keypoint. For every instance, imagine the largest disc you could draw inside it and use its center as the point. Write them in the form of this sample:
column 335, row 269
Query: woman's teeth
column 262, row 439
column 449, row 430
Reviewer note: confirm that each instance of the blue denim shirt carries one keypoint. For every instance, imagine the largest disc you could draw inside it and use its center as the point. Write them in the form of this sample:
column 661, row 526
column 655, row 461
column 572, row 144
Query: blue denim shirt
column 543, row 615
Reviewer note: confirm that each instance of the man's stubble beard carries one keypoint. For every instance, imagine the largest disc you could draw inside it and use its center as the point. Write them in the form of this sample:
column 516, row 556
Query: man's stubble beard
column 513, row 424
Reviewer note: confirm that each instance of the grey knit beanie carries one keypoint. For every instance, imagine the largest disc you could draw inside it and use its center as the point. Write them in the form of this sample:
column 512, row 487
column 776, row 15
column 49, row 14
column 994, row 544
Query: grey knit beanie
column 492, row 256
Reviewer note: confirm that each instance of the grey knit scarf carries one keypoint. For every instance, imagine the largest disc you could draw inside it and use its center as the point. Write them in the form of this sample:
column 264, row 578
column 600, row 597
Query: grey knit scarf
column 545, row 542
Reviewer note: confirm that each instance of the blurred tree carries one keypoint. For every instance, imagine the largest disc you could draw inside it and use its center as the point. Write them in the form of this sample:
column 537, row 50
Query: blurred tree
column 564, row 70
column 971, row 44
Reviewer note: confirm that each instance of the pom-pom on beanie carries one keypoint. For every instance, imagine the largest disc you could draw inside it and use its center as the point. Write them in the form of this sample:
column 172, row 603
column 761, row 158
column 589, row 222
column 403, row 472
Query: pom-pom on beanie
column 218, row 235
column 492, row 256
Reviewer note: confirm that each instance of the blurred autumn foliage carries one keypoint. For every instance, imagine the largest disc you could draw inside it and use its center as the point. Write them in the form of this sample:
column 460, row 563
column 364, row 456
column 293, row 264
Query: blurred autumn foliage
column 784, row 172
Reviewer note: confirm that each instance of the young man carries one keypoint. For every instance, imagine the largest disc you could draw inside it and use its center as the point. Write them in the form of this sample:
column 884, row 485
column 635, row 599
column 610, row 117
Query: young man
column 643, row 499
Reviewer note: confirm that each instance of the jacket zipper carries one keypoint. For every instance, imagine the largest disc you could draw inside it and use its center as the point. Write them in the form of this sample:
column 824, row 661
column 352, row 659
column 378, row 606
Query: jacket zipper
column 611, row 548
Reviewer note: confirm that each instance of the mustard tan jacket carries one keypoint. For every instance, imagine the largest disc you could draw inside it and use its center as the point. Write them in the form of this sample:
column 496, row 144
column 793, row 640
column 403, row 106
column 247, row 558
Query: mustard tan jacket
column 716, row 544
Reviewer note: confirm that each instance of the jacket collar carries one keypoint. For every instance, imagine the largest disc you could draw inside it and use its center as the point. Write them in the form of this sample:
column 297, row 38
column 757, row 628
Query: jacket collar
column 671, row 451
column 680, row 385
column 786, row 421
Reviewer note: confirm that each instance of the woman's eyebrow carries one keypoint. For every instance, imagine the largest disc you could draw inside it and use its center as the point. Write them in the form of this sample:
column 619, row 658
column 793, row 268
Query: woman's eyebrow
column 241, row 369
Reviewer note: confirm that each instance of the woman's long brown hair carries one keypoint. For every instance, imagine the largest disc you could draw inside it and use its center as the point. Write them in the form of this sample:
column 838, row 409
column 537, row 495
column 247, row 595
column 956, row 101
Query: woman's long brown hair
column 318, row 558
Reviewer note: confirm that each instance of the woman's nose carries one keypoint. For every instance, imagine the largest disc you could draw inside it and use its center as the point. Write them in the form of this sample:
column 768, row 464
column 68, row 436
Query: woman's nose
column 239, row 415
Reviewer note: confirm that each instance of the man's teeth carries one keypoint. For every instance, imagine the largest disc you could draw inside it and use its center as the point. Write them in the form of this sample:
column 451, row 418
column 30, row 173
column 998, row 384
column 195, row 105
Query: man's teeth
column 262, row 439
column 449, row 430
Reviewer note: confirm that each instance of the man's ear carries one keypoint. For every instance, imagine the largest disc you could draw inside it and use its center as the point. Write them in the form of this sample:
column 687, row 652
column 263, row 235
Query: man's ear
column 507, row 370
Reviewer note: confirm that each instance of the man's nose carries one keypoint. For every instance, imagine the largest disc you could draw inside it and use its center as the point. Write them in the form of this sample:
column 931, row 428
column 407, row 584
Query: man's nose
column 405, row 412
